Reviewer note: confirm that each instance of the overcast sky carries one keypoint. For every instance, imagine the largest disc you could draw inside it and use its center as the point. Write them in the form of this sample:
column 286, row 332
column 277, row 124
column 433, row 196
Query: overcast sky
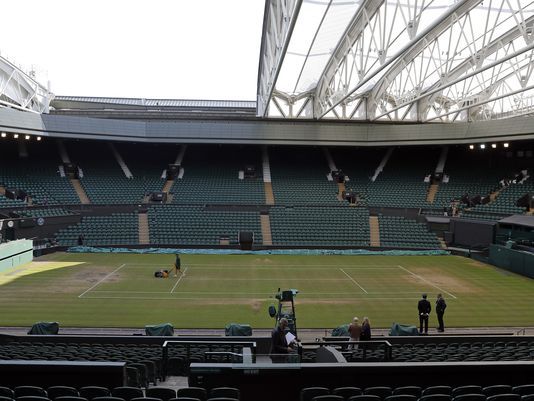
column 178, row 49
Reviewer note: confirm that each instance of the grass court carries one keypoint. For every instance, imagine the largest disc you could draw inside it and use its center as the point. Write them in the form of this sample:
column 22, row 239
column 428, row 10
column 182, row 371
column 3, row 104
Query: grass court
column 119, row 290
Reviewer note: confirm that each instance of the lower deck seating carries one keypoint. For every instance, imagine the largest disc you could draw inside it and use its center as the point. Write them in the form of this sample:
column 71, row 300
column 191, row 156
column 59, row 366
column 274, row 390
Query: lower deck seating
column 445, row 392
column 197, row 225
column 116, row 229
column 320, row 226
column 400, row 233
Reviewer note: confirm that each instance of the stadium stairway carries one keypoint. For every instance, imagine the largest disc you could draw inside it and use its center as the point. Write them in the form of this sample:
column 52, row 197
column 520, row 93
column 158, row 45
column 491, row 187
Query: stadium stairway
column 375, row 231
column 432, row 191
column 266, row 229
column 144, row 232
column 76, row 184
column 269, row 195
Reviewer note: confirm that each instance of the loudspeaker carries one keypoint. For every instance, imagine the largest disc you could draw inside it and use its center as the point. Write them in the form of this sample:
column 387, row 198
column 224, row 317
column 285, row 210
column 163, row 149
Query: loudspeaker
column 250, row 171
column 246, row 239
column 11, row 193
column 71, row 170
column 159, row 197
column 172, row 171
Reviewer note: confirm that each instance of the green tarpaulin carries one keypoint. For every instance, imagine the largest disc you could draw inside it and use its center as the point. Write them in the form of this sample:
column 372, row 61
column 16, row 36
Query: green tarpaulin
column 234, row 329
column 44, row 328
column 403, row 330
column 163, row 330
column 341, row 331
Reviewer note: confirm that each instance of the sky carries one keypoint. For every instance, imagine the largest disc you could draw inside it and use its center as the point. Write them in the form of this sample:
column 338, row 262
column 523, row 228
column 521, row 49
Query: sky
column 157, row 49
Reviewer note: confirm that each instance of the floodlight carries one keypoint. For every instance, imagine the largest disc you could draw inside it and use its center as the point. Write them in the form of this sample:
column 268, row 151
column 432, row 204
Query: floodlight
column 15, row 136
column 38, row 138
column 3, row 135
column 482, row 146
column 471, row 147
column 27, row 137
column 506, row 144
column 494, row 146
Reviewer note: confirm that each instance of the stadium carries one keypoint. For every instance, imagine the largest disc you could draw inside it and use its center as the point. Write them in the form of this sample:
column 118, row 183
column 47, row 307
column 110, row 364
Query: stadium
column 149, row 246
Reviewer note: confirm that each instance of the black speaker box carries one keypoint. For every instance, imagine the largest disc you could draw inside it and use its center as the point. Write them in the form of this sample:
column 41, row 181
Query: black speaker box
column 246, row 239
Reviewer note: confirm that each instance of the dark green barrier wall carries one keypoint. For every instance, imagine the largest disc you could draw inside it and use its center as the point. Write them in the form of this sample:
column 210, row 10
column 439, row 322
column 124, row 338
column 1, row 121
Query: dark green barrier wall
column 515, row 261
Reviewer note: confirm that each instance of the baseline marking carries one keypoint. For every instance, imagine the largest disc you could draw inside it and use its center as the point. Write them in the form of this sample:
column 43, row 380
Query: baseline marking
column 427, row 281
column 343, row 300
column 100, row 281
column 178, row 281
column 354, row 281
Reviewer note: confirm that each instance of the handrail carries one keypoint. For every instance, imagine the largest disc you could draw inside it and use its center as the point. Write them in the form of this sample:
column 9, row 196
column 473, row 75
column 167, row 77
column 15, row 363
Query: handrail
column 233, row 345
column 364, row 345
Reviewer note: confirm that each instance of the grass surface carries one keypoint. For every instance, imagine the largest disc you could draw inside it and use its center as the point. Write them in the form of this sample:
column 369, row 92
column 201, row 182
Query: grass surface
column 119, row 290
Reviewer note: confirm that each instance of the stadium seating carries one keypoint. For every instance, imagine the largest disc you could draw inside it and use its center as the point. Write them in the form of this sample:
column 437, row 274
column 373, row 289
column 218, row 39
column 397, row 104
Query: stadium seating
column 196, row 225
column 316, row 226
column 299, row 177
column 118, row 228
column 399, row 232
column 211, row 176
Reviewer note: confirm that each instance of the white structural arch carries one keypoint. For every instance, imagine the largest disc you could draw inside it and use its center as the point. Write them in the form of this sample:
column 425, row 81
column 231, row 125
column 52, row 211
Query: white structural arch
column 20, row 91
column 401, row 60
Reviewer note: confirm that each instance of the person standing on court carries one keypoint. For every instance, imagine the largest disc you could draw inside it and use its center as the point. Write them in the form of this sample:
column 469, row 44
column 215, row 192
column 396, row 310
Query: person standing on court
column 424, row 309
column 440, row 311
column 177, row 265
column 355, row 330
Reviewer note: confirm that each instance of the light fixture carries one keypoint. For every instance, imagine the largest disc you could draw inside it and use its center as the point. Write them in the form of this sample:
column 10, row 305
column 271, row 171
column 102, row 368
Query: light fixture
column 506, row 144
column 27, row 137
column 3, row 135
column 482, row 146
column 15, row 136
column 494, row 146
column 471, row 147
column 38, row 138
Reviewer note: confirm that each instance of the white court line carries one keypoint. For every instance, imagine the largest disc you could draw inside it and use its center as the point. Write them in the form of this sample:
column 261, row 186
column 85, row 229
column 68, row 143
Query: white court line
column 354, row 281
column 214, row 266
column 233, row 298
column 98, row 282
column 427, row 281
column 178, row 281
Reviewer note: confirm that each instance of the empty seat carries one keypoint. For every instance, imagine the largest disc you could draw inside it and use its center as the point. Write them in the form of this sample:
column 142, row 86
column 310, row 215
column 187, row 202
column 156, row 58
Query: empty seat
column 70, row 398
column 224, row 392
column 61, row 391
column 408, row 390
column 469, row 389
column 308, row 393
column 22, row 391
column 7, row 392
column 401, row 397
column 192, row 392
column 470, row 397
column 504, row 397
column 91, row 392
column 165, row 394
column 497, row 389
column 380, row 391
column 328, row 397
column 364, row 397
column 127, row 393
column 525, row 389
column 437, row 390
column 436, row 397
column 347, row 392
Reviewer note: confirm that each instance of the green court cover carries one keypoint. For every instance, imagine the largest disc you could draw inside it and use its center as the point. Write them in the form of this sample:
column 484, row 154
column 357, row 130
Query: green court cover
column 341, row 331
column 162, row 330
column 235, row 329
column 403, row 330
column 44, row 328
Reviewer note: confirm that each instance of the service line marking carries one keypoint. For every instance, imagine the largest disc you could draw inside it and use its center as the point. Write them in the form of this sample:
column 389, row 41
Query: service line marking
column 178, row 281
column 427, row 281
column 354, row 281
column 102, row 280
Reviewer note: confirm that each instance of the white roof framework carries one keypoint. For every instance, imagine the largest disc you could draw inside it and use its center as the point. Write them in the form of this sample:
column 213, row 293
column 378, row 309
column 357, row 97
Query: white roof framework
column 21, row 91
column 397, row 60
